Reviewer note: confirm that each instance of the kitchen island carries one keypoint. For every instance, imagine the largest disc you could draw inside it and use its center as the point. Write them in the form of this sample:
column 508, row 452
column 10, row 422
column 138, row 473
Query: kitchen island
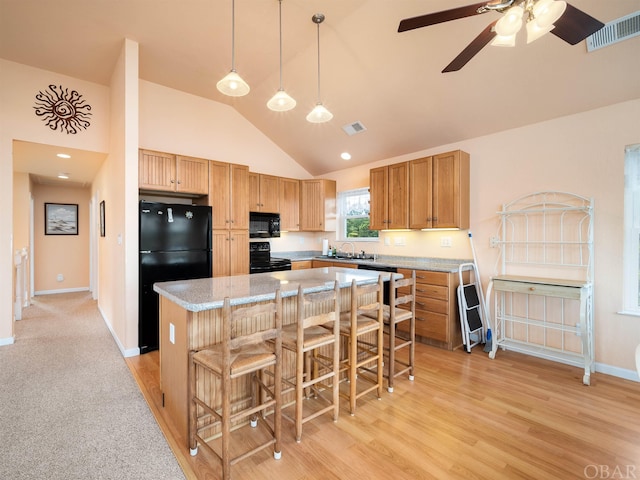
column 191, row 316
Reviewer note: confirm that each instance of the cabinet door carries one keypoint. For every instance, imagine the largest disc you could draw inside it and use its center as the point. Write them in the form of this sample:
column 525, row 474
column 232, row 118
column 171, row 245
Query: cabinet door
column 451, row 190
column 239, row 203
column 301, row 265
column 254, row 192
column 156, row 171
column 269, row 194
column 398, row 202
column 378, row 198
column 219, row 195
column 192, row 175
column 311, row 206
column 289, row 204
column 420, row 193
column 221, row 253
column 239, row 252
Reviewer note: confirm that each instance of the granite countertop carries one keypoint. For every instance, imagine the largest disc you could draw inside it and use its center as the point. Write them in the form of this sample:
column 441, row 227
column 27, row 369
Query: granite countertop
column 209, row 293
column 448, row 265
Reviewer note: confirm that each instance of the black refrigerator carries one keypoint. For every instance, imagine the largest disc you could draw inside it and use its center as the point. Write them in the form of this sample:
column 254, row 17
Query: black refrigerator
column 175, row 244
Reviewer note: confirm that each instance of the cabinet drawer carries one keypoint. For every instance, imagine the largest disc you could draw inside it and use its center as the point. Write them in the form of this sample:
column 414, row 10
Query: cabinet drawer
column 432, row 291
column 429, row 325
column 433, row 278
column 531, row 288
column 432, row 305
column 301, row 265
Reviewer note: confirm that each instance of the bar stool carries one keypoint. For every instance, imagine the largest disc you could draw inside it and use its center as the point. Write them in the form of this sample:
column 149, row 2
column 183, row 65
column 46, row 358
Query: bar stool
column 362, row 327
column 316, row 373
column 401, row 308
column 237, row 364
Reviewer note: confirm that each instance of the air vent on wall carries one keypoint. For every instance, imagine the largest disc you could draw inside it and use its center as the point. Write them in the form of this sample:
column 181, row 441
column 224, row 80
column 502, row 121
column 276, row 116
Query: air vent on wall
column 615, row 31
column 353, row 128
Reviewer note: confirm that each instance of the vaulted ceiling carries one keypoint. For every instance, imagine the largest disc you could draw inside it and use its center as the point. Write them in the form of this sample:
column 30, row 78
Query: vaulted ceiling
column 390, row 82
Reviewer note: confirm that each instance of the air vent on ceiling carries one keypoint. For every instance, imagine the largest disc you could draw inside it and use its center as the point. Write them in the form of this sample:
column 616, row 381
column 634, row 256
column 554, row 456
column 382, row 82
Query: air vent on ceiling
column 615, row 31
column 353, row 128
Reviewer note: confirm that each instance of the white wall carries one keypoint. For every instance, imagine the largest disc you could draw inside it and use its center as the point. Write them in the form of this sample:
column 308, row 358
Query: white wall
column 582, row 154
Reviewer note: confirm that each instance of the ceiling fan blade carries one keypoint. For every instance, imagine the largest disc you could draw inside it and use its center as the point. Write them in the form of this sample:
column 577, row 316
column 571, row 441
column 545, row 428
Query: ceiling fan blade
column 574, row 25
column 472, row 49
column 439, row 17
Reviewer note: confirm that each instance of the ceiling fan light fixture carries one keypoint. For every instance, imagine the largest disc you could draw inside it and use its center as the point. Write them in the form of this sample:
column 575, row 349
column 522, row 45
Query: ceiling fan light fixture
column 232, row 84
column 534, row 31
column 319, row 114
column 504, row 41
column 547, row 12
column 511, row 22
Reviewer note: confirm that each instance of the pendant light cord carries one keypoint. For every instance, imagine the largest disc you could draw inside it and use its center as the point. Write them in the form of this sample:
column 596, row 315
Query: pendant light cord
column 233, row 35
column 280, row 24
column 318, row 25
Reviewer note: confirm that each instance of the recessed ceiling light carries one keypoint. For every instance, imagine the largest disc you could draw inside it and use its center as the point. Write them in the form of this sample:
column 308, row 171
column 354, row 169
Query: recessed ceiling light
column 345, row 156
column 64, row 176
column 63, row 155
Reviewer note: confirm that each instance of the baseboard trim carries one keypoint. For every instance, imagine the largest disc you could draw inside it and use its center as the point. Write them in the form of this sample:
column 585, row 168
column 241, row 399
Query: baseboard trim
column 7, row 341
column 62, row 290
column 617, row 372
column 131, row 352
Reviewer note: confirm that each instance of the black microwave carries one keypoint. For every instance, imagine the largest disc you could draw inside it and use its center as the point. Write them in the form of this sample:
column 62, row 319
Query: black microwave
column 264, row 225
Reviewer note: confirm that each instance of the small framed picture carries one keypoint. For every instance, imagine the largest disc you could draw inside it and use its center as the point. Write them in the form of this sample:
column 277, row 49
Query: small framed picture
column 102, row 225
column 61, row 219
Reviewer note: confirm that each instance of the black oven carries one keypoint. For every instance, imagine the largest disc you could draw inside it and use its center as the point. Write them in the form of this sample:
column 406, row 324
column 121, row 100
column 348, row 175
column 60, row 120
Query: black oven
column 260, row 259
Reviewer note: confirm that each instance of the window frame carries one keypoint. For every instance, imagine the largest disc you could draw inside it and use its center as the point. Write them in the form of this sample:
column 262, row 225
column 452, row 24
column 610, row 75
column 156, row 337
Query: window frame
column 342, row 217
column 631, row 252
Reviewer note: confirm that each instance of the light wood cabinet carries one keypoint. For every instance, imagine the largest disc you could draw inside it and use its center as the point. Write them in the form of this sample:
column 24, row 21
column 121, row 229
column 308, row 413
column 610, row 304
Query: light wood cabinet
column 164, row 172
column 389, row 197
column 437, row 316
column 264, row 193
column 230, row 252
column 439, row 191
column 301, row 265
column 229, row 195
column 327, row 263
column 289, row 204
column 318, row 205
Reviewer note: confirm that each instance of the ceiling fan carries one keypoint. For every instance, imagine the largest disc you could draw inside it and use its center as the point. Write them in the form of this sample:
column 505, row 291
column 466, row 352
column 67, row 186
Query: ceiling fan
column 563, row 20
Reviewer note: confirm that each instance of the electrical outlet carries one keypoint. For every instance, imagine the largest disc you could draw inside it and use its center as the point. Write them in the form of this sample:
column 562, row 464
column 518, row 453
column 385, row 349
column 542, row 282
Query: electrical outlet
column 172, row 333
column 60, row 277
column 399, row 241
column 387, row 241
column 445, row 242
column 493, row 241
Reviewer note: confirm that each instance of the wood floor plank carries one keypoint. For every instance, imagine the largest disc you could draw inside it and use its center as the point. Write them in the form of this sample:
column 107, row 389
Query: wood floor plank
column 465, row 416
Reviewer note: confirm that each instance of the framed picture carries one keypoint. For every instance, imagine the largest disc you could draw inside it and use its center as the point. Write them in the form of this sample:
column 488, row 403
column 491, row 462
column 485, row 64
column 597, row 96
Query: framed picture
column 61, row 219
column 102, row 231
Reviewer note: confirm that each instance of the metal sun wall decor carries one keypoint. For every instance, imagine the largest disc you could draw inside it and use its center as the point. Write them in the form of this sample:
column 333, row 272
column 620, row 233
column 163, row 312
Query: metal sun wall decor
column 63, row 109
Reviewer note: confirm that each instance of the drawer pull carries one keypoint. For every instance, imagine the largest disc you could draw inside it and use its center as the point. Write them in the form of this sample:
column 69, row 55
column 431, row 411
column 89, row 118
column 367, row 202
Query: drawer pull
column 532, row 288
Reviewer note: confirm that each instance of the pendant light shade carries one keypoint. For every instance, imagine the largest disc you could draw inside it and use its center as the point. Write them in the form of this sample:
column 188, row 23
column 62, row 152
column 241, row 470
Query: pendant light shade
column 232, row 84
column 319, row 114
column 281, row 101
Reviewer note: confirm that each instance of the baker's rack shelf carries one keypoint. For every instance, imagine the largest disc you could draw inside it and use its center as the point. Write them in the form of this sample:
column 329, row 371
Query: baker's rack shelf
column 544, row 289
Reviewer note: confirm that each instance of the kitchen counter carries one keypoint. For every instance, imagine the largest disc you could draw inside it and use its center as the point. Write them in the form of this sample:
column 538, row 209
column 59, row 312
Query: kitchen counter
column 209, row 293
column 448, row 265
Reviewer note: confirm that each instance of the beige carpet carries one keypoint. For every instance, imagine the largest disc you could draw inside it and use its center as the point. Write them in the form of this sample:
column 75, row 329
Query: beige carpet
column 69, row 406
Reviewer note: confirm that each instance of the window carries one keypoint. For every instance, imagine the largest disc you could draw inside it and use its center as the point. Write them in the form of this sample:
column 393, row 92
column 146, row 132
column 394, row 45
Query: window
column 632, row 229
column 354, row 215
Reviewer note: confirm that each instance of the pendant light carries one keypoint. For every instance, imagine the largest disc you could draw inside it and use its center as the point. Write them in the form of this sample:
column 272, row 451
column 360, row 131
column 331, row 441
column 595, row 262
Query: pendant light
column 232, row 84
column 281, row 101
column 319, row 114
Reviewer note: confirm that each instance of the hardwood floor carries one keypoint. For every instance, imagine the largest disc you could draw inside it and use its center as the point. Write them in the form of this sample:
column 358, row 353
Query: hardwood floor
column 465, row 416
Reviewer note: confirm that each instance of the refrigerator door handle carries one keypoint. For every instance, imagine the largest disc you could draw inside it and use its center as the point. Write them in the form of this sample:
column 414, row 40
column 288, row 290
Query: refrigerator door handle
column 145, row 251
column 170, row 215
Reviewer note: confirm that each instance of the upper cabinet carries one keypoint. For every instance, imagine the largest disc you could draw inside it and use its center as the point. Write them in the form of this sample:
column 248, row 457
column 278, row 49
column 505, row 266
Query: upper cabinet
column 165, row 172
column 439, row 191
column 289, row 204
column 229, row 195
column 430, row 192
column 389, row 197
column 264, row 193
column 318, row 205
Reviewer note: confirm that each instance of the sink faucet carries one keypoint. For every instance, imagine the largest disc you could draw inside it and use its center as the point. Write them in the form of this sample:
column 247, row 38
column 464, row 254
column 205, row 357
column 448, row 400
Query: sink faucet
column 353, row 248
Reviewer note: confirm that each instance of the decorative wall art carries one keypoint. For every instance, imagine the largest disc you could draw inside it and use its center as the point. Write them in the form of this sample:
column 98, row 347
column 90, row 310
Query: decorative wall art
column 62, row 109
column 102, row 220
column 61, row 219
